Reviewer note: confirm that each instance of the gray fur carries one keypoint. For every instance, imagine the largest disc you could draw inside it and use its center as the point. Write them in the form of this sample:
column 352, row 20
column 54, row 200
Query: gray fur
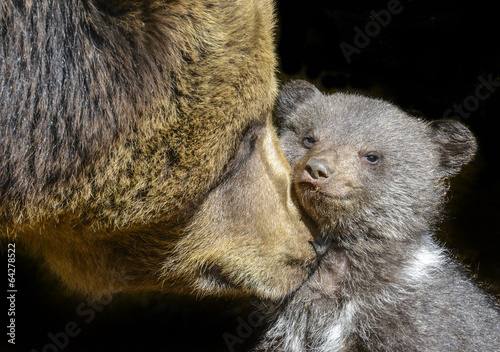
column 384, row 283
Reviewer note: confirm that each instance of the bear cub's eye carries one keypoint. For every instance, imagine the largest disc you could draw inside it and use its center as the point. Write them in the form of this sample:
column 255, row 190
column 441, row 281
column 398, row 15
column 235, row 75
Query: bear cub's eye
column 308, row 141
column 372, row 158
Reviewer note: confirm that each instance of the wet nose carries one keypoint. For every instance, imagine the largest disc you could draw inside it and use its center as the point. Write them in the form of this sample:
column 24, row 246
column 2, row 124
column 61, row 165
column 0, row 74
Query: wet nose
column 318, row 169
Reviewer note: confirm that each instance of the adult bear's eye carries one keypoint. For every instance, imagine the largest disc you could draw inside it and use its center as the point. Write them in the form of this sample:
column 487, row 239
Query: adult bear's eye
column 250, row 138
column 245, row 149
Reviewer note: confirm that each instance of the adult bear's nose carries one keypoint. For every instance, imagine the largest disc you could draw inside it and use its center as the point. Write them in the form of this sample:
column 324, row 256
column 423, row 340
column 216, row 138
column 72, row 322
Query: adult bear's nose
column 318, row 169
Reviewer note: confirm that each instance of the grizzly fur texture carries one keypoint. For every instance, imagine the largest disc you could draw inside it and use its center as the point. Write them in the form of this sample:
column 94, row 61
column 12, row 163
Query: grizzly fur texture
column 137, row 139
column 374, row 180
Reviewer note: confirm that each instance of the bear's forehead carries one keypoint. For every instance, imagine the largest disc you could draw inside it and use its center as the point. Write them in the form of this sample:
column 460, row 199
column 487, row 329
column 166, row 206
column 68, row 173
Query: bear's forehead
column 360, row 121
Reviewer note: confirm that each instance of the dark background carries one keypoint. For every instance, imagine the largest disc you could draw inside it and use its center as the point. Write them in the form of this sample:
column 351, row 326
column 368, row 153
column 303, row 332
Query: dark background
column 428, row 57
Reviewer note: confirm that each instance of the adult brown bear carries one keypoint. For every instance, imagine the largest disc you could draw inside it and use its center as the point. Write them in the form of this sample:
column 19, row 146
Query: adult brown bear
column 137, row 150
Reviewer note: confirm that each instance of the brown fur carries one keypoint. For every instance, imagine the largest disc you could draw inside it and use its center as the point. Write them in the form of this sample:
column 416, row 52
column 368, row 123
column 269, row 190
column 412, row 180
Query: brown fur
column 130, row 145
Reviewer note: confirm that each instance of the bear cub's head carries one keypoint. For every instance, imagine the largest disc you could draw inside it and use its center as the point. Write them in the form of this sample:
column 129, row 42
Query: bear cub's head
column 362, row 166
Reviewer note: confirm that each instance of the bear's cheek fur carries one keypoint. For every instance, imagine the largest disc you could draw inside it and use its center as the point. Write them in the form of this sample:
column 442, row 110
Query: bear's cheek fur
column 233, row 241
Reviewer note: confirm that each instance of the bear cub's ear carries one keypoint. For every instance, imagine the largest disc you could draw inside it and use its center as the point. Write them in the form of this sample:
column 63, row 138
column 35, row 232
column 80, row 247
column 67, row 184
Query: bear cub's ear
column 291, row 96
column 456, row 144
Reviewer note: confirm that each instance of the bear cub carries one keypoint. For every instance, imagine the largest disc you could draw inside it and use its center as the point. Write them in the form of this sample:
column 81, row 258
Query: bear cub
column 374, row 180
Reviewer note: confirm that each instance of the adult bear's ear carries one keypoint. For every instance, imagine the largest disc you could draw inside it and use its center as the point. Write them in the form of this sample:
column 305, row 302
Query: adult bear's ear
column 456, row 145
column 293, row 94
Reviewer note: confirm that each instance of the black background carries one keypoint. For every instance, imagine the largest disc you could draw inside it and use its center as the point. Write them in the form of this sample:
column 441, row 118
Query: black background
column 429, row 57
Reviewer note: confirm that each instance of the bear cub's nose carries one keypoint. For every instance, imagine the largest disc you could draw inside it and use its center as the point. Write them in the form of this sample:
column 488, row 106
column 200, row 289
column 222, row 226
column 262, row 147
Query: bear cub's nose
column 318, row 169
